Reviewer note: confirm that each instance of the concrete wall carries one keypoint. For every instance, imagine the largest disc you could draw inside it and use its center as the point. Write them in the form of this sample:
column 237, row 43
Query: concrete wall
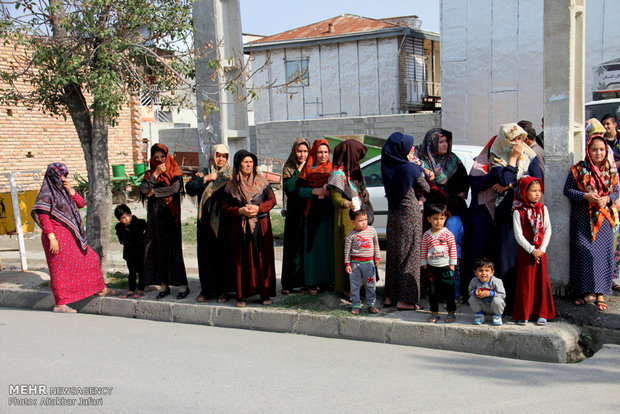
column 346, row 79
column 274, row 139
column 492, row 61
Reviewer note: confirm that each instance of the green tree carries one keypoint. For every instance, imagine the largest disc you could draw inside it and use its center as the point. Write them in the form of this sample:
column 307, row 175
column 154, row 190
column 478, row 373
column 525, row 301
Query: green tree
column 84, row 58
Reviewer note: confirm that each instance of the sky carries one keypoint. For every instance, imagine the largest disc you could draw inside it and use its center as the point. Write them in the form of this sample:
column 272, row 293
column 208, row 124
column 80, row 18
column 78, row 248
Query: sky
column 267, row 17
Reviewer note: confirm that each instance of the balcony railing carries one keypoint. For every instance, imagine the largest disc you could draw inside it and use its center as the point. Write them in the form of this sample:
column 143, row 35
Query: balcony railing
column 418, row 90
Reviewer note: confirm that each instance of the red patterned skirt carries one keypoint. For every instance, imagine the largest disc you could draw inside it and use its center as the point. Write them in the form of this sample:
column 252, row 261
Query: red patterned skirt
column 74, row 276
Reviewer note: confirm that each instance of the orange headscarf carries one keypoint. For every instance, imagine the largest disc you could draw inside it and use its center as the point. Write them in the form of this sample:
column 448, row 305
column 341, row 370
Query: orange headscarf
column 315, row 175
column 172, row 170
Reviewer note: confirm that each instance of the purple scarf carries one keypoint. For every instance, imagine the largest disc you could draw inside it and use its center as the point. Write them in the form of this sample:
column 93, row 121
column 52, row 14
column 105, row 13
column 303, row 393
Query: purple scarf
column 55, row 201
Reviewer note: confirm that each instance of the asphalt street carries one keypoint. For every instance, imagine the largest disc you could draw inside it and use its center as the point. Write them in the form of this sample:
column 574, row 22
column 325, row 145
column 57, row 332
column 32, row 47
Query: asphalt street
column 128, row 365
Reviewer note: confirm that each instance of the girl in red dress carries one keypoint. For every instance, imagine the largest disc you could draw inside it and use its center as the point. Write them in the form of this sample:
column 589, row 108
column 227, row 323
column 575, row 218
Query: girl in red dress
column 532, row 230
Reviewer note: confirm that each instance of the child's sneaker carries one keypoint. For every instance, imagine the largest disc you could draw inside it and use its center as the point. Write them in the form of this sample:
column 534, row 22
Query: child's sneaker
column 497, row 320
column 541, row 322
column 479, row 319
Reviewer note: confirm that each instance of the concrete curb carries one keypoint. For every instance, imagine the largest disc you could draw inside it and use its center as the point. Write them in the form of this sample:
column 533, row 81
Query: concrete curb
column 558, row 342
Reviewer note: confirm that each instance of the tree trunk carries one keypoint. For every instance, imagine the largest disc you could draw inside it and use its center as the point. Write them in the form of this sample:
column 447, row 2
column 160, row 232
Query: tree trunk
column 93, row 134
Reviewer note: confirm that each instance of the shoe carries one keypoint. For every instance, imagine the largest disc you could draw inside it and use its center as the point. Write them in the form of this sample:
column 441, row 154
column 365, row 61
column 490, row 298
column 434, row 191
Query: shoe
column 63, row 309
column 373, row 309
column 241, row 303
column 497, row 320
column 183, row 294
column 163, row 293
column 450, row 318
column 267, row 302
column 355, row 310
column 433, row 318
column 541, row 322
column 479, row 319
column 522, row 323
column 223, row 297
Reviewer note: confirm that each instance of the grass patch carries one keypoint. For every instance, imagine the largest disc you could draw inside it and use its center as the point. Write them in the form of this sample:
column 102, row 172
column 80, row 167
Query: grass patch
column 117, row 280
column 189, row 231
column 45, row 284
column 277, row 223
column 328, row 303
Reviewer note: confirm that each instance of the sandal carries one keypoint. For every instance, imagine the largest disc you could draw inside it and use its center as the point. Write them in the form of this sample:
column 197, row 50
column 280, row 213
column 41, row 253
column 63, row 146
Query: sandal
column 313, row 292
column 586, row 299
column 373, row 309
column 201, row 298
column 541, row 322
column 450, row 318
column 222, row 298
column 286, row 292
column 128, row 294
column 615, row 287
column 109, row 292
column 355, row 311
column 241, row 303
column 64, row 309
column 267, row 302
column 138, row 294
column 601, row 305
column 433, row 318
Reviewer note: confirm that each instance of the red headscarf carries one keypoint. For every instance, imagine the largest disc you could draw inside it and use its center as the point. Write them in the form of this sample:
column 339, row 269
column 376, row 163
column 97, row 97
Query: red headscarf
column 316, row 175
column 534, row 212
column 172, row 170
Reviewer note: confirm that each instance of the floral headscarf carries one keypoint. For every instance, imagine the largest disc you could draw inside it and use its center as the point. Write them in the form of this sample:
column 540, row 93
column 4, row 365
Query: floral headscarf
column 534, row 212
column 347, row 175
column 601, row 181
column 500, row 149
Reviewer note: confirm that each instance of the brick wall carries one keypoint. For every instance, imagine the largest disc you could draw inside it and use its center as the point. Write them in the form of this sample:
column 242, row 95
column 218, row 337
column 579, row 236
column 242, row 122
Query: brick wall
column 32, row 139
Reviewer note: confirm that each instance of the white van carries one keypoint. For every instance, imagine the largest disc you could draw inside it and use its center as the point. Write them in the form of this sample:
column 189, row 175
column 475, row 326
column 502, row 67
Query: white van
column 598, row 109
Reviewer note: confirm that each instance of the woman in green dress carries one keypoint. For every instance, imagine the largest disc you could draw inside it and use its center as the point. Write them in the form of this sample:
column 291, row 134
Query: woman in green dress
column 292, row 258
column 318, row 218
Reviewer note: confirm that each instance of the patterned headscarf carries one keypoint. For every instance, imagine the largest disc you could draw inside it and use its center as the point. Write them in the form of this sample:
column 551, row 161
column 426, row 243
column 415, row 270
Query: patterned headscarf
column 55, row 201
column 500, row 149
column 347, row 175
column 594, row 128
column 292, row 164
column 245, row 189
column 224, row 175
column 601, row 181
column 172, row 170
column 444, row 166
column 534, row 212
column 399, row 174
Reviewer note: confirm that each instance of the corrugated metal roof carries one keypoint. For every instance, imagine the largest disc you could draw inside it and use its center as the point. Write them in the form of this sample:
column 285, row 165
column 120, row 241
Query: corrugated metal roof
column 341, row 25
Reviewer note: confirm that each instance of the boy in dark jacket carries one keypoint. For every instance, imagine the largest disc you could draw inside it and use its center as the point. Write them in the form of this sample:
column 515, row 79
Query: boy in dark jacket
column 130, row 232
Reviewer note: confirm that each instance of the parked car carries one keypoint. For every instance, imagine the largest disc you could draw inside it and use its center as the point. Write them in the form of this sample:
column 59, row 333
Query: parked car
column 371, row 170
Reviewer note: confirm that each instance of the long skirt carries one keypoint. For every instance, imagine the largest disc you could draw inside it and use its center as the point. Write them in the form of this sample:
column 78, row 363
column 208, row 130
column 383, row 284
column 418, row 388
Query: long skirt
column 74, row 276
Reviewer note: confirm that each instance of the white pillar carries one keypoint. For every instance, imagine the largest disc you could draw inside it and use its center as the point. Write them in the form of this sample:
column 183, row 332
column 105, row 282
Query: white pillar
column 564, row 36
column 18, row 222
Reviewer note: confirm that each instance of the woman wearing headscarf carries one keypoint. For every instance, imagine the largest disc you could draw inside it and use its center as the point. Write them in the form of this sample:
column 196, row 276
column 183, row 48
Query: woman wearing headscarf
column 248, row 198
column 211, row 232
column 75, row 272
column 402, row 179
column 292, row 257
column 347, row 191
column 494, row 176
column 161, row 187
column 449, row 176
column 318, row 218
column 592, row 188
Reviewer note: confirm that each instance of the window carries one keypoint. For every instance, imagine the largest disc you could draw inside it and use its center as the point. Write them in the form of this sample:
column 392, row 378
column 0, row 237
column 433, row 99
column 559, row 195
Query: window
column 297, row 72
column 372, row 174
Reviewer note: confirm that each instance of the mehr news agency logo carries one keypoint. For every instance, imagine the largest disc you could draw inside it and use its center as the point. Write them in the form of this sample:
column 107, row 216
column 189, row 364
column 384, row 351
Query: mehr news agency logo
column 44, row 395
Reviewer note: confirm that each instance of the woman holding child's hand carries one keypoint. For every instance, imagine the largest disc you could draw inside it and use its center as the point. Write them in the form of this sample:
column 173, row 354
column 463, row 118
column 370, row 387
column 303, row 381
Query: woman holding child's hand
column 592, row 188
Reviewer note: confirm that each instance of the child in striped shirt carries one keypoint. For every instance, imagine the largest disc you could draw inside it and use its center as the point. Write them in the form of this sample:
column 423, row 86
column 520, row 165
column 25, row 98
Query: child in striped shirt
column 361, row 255
column 439, row 257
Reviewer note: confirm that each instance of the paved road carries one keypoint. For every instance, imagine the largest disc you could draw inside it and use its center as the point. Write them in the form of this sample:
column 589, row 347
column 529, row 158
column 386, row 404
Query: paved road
column 165, row 367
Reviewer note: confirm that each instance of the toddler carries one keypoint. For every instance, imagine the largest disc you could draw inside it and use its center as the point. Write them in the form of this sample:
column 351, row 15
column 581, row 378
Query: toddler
column 361, row 255
column 439, row 258
column 487, row 292
column 130, row 232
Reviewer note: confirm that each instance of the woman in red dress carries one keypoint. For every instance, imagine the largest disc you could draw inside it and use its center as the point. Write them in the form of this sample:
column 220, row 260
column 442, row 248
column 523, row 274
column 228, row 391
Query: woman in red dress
column 75, row 271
